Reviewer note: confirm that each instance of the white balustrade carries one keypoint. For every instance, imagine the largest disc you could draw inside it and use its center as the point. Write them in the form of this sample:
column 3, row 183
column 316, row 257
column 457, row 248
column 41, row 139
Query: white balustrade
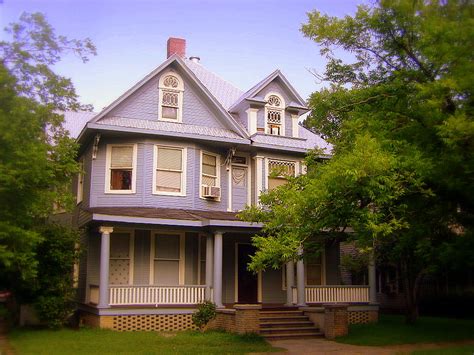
column 334, row 294
column 156, row 295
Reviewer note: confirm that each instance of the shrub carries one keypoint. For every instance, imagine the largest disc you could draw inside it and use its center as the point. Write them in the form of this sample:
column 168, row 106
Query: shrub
column 205, row 312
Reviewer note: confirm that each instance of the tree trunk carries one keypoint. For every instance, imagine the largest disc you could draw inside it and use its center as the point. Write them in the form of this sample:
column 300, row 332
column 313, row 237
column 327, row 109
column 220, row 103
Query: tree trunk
column 412, row 289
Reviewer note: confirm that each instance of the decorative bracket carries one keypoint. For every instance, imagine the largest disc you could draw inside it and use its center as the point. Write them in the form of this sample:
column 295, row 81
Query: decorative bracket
column 95, row 148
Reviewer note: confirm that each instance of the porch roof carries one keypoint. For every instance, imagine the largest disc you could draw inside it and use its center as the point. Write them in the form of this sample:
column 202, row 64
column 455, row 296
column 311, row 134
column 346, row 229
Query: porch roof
column 169, row 216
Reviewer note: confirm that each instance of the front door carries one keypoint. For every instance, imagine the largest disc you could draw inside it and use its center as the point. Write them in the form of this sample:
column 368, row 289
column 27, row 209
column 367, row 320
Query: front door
column 247, row 281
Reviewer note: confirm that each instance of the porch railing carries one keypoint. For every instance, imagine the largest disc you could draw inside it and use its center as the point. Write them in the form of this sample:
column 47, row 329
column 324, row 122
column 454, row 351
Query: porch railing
column 334, row 294
column 156, row 295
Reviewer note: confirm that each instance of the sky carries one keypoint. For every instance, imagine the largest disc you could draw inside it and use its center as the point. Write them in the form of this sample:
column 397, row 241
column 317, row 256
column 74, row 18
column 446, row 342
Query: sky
column 242, row 41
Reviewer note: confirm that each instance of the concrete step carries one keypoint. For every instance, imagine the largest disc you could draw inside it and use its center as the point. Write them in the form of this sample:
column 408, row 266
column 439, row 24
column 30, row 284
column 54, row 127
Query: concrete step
column 292, row 336
column 280, row 313
column 297, row 324
column 289, row 330
column 283, row 318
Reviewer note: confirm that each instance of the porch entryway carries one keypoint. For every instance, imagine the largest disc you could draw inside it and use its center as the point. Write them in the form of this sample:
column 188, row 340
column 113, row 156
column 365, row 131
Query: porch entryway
column 247, row 281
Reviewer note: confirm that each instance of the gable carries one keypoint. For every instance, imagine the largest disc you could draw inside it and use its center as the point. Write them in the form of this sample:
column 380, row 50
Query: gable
column 143, row 104
column 277, row 86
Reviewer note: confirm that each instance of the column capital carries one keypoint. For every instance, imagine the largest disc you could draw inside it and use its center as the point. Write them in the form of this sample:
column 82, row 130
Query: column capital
column 219, row 233
column 106, row 229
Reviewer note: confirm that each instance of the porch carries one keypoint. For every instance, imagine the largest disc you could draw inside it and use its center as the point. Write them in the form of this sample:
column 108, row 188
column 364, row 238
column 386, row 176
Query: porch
column 216, row 273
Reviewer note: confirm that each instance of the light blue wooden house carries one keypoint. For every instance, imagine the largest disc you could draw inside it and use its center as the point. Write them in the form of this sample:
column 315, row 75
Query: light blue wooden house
column 166, row 168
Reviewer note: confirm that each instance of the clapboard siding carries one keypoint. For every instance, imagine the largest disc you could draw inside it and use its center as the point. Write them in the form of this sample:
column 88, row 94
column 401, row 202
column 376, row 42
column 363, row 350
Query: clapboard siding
column 143, row 104
column 141, row 267
column 191, row 259
column 143, row 195
column 272, row 291
column 332, row 257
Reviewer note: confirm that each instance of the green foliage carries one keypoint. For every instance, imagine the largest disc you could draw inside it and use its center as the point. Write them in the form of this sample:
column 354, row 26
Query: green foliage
column 206, row 311
column 400, row 118
column 54, row 292
column 37, row 163
column 33, row 49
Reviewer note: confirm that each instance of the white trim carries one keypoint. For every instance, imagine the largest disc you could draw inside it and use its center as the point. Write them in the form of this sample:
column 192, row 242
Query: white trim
column 295, row 126
column 184, row 154
column 107, row 169
column 218, row 172
column 230, row 189
column 281, row 109
column 259, row 160
column 252, row 120
column 80, row 182
column 179, row 90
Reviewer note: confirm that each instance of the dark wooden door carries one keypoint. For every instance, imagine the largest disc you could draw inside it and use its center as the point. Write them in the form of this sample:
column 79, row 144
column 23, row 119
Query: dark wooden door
column 247, row 280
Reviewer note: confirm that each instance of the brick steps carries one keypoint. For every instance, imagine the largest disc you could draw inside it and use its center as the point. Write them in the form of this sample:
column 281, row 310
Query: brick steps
column 287, row 324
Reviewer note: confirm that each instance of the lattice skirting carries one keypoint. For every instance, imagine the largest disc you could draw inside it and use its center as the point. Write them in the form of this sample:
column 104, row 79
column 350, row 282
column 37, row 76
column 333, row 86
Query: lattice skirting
column 149, row 322
column 155, row 322
column 358, row 317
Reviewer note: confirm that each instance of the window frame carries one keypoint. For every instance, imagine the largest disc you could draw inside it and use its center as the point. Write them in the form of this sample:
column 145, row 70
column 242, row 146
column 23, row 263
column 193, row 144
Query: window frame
column 108, row 162
column 274, row 108
column 181, row 260
column 267, row 167
column 218, row 171
column 179, row 90
column 183, row 170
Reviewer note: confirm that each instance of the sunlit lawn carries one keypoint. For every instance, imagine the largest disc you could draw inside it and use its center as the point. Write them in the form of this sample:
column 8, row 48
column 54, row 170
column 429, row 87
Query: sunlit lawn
column 392, row 329
column 99, row 341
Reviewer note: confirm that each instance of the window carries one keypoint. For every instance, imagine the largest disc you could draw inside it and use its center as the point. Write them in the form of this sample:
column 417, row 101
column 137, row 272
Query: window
column 169, row 174
column 210, row 170
column 314, row 272
column 80, row 182
column 279, row 171
column 171, row 97
column 275, row 115
column 121, row 174
column 168, row 259
column 120, row 252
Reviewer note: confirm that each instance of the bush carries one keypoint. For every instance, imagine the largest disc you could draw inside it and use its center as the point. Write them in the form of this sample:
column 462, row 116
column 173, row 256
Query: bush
column 205, row 313
column 54, row 292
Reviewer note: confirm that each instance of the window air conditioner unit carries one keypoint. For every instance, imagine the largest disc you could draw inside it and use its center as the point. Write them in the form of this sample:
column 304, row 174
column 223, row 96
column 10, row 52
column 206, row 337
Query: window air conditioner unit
column 211, row 191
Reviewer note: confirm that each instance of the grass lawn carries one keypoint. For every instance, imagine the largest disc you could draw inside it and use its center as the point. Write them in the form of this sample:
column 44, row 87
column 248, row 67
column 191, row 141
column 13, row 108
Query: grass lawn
column 455, row 350
column 392, row 329
column 100, row 341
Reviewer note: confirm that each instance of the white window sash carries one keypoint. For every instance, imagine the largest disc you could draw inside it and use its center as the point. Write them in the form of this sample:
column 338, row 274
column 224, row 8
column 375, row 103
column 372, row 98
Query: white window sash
column 108, row 162
column 182, row 171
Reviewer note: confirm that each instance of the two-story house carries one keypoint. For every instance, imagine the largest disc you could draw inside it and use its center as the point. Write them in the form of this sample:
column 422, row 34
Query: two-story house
column 166, row 168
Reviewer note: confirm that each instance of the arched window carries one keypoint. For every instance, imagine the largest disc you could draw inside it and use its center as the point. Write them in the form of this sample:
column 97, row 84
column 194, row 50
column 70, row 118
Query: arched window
column 274, row 115
column 171, row 97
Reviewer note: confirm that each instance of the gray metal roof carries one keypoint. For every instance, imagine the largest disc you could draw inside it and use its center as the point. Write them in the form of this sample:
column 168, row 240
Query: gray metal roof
column 74, row 122
column 222, row 90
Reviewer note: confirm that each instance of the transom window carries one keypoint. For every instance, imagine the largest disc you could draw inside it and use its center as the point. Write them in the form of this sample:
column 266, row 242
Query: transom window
column 121, row 160
column 279, row 171
column 169, row 174
column 171, row 97
column 274, row 115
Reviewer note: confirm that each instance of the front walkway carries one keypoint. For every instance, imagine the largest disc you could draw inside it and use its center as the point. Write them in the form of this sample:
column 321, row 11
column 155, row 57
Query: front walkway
column 323, row 346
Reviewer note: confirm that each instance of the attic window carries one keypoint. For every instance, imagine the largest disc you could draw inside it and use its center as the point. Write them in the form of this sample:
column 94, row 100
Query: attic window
column 171, row 98
column 274, row 115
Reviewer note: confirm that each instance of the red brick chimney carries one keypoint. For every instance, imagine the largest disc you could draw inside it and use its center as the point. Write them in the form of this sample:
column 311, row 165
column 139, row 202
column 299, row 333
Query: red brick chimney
column 176, row 46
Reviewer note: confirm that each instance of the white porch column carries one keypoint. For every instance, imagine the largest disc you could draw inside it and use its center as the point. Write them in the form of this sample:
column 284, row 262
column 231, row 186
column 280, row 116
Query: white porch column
column 209, row 266
column 258, row 177
column 252, row 120
column 290, row 282
column 372, row 280
column 300, row 280
column 218, row 269
column 104, row 266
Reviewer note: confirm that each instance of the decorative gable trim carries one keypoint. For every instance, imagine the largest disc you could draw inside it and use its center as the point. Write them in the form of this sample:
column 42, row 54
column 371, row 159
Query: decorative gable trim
column 191, row 76
column 262, row 84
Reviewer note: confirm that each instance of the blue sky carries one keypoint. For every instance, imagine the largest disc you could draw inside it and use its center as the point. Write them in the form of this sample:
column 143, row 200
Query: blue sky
column 242, row 41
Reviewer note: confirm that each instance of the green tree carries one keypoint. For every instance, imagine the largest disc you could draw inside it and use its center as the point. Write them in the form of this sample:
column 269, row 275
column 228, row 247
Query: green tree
column 400, row 118
column 37, row 157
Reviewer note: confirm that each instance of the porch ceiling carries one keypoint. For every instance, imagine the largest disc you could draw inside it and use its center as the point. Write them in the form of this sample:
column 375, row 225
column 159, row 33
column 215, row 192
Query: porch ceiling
column 169, row 216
